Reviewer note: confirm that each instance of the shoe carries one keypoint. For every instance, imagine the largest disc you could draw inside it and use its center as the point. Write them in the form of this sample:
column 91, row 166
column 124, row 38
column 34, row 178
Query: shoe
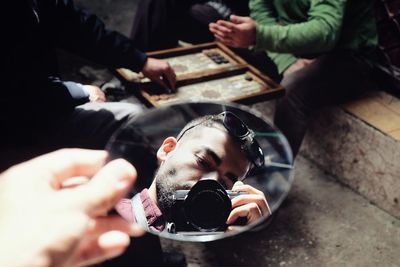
column 221, row 8
column 209, row 12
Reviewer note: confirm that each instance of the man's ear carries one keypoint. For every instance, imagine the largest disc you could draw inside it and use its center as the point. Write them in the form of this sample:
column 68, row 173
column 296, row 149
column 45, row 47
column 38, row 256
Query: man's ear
column 167, row 146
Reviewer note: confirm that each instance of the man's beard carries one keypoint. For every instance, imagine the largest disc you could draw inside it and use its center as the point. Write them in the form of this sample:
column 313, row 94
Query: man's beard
column 165, row 187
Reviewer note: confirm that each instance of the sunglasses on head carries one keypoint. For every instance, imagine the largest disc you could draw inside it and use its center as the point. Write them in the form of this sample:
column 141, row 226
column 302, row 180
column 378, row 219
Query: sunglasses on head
column 239, row 130
column 241, row 133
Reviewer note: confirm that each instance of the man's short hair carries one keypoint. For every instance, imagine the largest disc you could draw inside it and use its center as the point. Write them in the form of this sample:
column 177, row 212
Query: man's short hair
column 236, row 128
column 205, row 121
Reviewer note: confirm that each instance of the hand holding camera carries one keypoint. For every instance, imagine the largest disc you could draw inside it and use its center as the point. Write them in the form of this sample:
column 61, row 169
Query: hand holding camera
column 209, row 208
column 252, row 205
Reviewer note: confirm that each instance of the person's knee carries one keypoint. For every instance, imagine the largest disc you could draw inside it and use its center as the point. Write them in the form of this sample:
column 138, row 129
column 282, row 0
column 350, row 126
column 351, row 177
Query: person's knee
column 291, row 104
column 297, row 80
column 132, row 110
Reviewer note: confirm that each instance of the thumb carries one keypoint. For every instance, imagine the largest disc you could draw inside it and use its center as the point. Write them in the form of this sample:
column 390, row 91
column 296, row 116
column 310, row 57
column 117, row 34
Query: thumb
column 106, row 188
column 238, row 19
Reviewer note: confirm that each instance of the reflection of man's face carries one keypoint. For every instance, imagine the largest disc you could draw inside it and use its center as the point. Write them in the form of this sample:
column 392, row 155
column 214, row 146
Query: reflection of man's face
column 205, row 152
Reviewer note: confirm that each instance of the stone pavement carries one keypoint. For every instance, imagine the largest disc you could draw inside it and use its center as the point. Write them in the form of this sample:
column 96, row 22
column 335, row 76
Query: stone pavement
column 322, row 222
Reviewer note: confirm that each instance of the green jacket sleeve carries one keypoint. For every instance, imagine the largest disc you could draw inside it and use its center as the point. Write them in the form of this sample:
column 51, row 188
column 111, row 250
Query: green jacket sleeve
column 319, row 33
column 263, row 12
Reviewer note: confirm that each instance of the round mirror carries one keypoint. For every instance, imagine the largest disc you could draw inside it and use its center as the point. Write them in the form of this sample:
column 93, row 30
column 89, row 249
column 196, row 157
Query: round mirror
column 205, row 170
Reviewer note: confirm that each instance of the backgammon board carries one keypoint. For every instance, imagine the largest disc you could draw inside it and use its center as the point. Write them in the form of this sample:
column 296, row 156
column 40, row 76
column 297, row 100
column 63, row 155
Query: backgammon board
column 204, row 72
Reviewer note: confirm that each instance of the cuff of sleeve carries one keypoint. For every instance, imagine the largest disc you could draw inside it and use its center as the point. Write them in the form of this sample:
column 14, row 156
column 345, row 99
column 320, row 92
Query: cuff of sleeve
column 262, row 37
column 77, row 92
column 134, row 60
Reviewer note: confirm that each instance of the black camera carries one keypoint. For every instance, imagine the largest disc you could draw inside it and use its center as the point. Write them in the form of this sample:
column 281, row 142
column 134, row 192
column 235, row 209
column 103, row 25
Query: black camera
column 204, row 208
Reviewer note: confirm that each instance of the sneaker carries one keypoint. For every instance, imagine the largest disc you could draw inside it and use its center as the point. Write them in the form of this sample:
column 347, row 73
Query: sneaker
column 209, row 12
column 221, row 8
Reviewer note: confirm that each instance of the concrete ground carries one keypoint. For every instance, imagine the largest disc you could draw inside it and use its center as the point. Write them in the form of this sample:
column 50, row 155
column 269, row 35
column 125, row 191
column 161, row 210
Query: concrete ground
column 322, row 223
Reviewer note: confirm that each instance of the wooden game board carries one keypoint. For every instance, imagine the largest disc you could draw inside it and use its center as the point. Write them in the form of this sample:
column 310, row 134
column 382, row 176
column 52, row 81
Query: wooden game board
column 205, row 72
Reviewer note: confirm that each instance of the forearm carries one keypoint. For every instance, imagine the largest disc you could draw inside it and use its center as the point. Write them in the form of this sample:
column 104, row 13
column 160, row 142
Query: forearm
column 319, row 33
column 86, row 35
column 71, row 93
column 301, row 38
column 263, row 12
column 77, row 92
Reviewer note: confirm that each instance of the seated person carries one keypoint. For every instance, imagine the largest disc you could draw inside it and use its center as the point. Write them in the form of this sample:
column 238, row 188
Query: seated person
column 160, row 24
column 218, row 147
column 37, row 101
column 325, row 50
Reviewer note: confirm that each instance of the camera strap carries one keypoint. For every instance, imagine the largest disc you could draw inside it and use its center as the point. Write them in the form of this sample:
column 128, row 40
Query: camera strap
column 138, row 210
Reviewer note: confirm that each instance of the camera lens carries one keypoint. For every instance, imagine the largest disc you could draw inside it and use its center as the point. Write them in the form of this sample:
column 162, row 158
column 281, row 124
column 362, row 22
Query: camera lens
column 207, row 206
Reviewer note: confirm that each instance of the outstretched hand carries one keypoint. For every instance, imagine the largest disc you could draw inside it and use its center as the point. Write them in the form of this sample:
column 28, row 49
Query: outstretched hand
column 239, row 32
column 45, row 223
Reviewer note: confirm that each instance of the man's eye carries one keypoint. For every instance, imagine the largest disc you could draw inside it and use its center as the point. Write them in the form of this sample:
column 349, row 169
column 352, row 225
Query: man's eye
column 203, row 163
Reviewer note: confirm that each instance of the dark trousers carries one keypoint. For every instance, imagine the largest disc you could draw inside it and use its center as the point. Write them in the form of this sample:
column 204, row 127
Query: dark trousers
column 332, row 79
column 89, row 126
